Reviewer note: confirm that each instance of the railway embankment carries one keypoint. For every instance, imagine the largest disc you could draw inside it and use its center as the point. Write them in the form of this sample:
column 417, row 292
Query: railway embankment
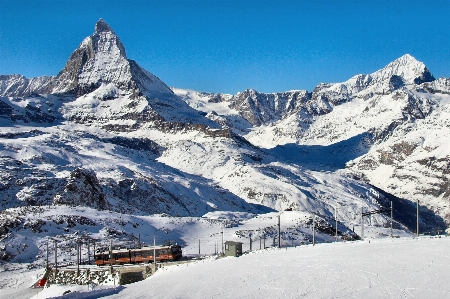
column 97, row 276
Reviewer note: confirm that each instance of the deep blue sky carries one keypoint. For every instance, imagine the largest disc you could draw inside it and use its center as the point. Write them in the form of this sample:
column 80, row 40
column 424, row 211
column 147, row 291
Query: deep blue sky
column 229, row 46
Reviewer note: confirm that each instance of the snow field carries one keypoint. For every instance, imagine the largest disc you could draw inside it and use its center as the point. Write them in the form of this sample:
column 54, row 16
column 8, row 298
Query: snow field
column 382, row 268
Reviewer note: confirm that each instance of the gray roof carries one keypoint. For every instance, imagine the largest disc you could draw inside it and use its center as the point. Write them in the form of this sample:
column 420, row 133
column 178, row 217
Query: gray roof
column 233, row 243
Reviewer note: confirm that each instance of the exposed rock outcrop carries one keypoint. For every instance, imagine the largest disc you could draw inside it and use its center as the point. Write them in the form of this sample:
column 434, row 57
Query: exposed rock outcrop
column 82, row 189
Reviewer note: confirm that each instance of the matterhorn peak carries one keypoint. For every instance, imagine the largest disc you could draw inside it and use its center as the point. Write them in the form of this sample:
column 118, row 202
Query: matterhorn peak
column 102, row 26
column 100, row 58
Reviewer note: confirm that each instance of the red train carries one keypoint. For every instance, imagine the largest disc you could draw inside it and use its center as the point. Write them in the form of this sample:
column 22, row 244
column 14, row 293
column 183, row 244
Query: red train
column 140, row 255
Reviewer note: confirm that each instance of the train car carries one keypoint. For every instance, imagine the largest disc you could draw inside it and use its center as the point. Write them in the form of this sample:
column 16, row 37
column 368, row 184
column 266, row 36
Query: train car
column 139, row 255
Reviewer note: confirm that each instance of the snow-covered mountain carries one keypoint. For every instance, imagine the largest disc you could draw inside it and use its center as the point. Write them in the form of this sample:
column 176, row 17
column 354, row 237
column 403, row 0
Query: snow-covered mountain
column 108, row 136
column 388, row 128
column 99, row 84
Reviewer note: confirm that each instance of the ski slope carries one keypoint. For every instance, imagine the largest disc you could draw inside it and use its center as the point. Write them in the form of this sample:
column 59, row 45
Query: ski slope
column 381, row 268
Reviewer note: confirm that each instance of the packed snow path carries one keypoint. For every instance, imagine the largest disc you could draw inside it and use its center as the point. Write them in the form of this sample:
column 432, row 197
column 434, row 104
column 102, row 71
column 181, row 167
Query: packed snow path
column 398, row 268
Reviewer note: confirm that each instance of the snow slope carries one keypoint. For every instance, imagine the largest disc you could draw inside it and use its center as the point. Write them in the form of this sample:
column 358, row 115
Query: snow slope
column 405, row 268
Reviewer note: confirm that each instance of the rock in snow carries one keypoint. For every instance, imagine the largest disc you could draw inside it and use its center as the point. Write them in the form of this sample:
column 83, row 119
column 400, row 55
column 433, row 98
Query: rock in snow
column 83, row 189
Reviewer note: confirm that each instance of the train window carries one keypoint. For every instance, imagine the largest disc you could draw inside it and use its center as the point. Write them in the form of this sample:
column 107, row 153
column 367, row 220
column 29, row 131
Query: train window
column 100, row 257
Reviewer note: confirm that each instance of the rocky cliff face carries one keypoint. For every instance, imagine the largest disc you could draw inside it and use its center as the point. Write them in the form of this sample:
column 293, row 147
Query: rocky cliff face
column 260, row 108
column 17, row 85
column 82, row 189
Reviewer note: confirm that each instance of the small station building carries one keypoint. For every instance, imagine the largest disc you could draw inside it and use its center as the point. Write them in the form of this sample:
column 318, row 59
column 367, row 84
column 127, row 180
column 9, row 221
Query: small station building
column 233, row 248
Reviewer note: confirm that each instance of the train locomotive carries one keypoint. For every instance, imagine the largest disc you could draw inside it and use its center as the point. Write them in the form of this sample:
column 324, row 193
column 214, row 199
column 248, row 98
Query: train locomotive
column 139, row 255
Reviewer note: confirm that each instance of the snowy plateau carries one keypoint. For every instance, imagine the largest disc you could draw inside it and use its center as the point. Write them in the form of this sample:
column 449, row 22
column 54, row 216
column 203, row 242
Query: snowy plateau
column 106, row 151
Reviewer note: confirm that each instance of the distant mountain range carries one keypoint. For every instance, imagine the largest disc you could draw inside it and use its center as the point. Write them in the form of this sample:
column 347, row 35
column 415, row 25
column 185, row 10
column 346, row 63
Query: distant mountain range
column 107, row 134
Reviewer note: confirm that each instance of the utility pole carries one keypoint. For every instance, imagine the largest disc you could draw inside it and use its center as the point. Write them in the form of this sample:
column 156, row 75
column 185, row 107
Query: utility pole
column 335, row 217
column 250, row 237
column 78, row 256
column 264, row 237
column 47, row 254
column 259, row 242
column 198, row 246
column 417, row 229
column 362, row 224
column 391, row 219
column 279, row 232
column 56, row 257
column 89, row 251
column 314, row 230
column 154, row 251
column 110, row 255
column 222, row 242
column 79, row 252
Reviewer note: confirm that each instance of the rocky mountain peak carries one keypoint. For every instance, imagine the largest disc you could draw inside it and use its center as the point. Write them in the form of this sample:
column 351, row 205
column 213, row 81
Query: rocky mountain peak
column 407, row 67
column 102, row 26
column 106, row 40
column 100, row 58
